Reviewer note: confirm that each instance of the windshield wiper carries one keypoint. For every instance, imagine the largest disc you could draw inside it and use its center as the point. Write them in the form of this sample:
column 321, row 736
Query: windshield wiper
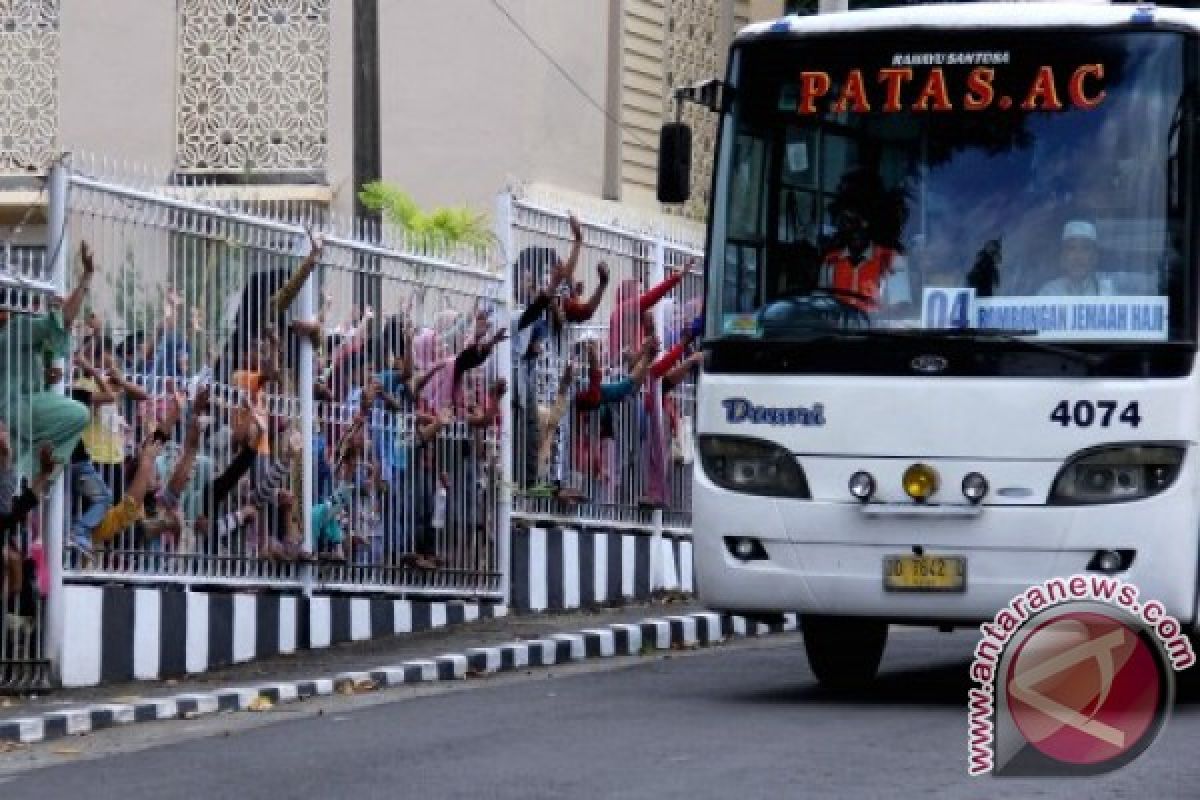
column 1007, row 335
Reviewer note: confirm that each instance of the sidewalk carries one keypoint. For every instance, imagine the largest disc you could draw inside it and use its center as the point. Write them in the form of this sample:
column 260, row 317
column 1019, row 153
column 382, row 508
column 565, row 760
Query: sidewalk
column 471, row 649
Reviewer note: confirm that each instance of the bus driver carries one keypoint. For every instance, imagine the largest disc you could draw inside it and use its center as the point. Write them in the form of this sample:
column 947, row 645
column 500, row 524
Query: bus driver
column 875, row 276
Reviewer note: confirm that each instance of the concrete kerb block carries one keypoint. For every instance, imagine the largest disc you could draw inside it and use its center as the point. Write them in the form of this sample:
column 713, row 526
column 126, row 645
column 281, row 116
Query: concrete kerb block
column 599, row 643
column 419, row 671
column 154, row 710
column 195, row 705
column 570, row 647
column 656, row 633
column 514, row 656
column 110, row 715
column 280, row 692
column 708, row 624
column 236, row 699
column 25, row 730
column 683, row 631
column 484, row 660
column 542, row 652
column 69, row 722
column 388, row 676
column 628, row 639
column 618, row 639
column 451, row 667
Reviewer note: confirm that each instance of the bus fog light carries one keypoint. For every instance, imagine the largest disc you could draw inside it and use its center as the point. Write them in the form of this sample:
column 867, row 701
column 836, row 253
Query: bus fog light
column 974, row 487
column 1111, row 561
column 746, row 548
column 862, row 485
column 920, row 482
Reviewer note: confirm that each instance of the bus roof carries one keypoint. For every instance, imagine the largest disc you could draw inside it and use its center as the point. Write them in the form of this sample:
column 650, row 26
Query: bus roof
column 967, row 16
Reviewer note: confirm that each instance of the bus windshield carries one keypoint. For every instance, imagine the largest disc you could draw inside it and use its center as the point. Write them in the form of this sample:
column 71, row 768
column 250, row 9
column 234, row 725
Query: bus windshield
column 1020, row 183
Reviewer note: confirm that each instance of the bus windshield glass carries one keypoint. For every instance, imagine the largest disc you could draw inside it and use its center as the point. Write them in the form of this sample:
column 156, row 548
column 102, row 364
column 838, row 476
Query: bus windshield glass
column 1014, row 183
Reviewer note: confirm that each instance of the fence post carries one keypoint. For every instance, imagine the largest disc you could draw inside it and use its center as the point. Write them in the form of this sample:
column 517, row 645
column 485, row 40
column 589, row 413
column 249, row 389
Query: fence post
column 505, row 219
column 306, row 309
column 58, row 247
column 657, row 274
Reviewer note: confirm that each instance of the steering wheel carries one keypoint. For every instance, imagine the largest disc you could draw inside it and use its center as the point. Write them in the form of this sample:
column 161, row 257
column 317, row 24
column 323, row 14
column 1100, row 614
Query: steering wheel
column 836, row 292
column 822, row 302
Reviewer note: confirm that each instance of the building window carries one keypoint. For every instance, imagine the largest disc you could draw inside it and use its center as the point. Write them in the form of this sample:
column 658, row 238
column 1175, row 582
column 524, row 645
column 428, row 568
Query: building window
column 253, row 78
column 29, row 48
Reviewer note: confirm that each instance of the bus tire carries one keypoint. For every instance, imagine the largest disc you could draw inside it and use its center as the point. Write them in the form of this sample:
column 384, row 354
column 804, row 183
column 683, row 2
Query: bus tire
column 843, row 652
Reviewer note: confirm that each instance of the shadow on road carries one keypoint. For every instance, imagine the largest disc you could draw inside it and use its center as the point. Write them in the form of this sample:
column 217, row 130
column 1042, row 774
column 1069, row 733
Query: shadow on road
column 940, row 684
column 943, row 684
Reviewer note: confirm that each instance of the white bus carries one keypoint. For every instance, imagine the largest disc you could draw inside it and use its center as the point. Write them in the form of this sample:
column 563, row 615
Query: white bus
column 951, row 312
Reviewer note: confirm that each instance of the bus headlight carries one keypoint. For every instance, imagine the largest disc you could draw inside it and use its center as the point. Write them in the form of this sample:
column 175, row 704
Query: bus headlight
column 752, row 466
column 1116, row 474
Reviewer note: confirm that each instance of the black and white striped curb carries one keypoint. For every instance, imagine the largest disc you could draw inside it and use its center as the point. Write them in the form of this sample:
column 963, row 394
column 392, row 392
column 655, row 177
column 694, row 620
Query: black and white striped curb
column 702, row 629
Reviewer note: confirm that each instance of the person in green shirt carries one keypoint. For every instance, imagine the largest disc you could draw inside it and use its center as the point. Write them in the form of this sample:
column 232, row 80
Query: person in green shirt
column 34, row 411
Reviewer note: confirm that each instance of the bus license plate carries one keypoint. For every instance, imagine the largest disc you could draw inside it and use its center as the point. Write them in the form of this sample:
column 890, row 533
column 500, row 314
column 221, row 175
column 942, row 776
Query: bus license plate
column 924, row 573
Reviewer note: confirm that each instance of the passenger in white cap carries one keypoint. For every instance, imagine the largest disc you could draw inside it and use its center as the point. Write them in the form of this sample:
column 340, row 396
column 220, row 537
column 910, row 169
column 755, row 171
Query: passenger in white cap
column 1080, row 255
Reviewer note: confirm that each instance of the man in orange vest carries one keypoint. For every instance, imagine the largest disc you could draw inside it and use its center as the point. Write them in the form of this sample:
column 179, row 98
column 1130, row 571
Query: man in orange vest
column 874, row 276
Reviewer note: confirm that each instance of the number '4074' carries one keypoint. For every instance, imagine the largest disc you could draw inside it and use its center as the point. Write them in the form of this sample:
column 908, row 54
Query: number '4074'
column 1085, row 413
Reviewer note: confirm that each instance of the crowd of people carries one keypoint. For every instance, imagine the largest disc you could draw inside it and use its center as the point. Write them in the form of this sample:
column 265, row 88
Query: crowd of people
column 597, row 416
column 171, row 453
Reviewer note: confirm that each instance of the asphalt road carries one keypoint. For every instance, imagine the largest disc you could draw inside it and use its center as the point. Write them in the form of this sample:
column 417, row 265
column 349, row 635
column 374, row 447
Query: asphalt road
column 742, row 722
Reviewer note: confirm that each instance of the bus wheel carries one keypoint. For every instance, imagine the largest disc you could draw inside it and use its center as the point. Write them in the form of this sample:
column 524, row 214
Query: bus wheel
column 843, row 652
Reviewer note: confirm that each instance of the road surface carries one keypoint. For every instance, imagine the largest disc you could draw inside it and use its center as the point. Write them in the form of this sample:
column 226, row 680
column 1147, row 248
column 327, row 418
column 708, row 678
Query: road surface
column 741, row 721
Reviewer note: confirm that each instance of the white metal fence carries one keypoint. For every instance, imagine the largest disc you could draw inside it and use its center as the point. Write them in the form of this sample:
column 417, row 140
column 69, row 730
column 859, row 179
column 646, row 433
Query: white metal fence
column 254, row 396
column 604, row 379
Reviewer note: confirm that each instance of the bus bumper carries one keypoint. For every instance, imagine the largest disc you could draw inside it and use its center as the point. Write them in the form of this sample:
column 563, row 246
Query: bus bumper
column 828, row 557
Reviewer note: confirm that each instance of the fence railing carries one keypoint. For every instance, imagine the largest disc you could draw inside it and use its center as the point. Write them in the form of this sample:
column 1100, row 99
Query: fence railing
column 238, row 398
column 604, row 389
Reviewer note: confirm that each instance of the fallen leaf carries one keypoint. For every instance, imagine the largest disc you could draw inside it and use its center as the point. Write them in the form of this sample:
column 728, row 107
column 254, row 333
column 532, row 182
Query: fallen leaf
column 66, row 751
column 9, row 747
column 260, row 703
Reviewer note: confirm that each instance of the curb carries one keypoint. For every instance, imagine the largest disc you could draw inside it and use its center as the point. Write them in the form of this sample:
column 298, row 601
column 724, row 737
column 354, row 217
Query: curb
column 701, row 629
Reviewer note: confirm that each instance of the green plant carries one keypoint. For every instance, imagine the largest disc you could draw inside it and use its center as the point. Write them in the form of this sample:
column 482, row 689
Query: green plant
column 442, row 227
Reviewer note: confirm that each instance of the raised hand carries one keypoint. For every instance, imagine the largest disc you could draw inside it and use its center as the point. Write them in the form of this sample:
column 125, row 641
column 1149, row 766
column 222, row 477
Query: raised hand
column 576, row 229
column 47, row 463
column 89, row 261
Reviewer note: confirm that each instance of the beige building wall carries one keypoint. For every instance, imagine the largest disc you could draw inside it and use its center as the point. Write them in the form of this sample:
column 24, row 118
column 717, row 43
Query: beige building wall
column 668, row 44
column 339, row 170
column 117, row 79
column 467, row 102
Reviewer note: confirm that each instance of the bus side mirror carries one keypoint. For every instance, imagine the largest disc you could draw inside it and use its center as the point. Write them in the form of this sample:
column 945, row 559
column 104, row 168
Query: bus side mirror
column 674, row 163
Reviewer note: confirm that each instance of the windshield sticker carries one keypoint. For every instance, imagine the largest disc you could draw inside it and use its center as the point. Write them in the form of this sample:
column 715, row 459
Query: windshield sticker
column 1141, row 318
column 1117, row 318
column 739, row 409
column 907, row 88
column 947, row 308
column 740, row 324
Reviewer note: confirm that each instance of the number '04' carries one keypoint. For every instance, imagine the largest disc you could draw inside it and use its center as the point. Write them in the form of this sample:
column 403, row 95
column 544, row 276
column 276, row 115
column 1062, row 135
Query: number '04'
column 1085, row 413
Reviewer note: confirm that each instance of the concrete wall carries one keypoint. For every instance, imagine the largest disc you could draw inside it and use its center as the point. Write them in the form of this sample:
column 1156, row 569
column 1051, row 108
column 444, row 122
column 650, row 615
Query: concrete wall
column 120, row 633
